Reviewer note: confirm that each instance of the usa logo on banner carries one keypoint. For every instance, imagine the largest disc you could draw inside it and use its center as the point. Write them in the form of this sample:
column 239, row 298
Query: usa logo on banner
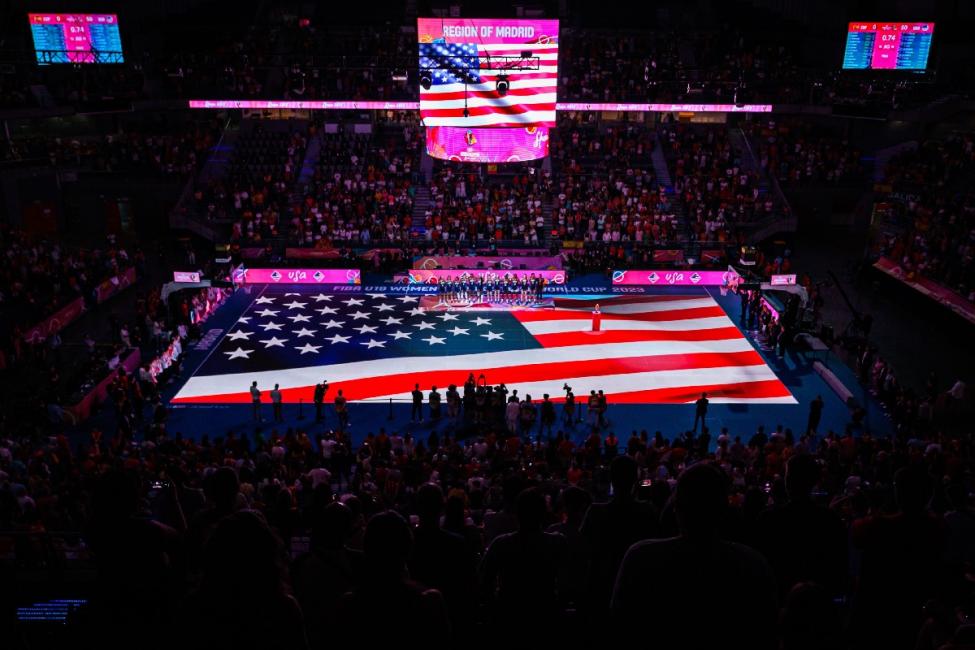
column 464, row 59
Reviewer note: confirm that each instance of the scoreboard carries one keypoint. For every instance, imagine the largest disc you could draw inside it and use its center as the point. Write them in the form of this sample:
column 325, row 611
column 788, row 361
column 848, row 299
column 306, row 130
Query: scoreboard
column 76, row 38
column 888, row 46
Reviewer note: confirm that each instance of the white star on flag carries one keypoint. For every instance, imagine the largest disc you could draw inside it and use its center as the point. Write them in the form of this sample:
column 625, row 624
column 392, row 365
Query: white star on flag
column 304, row 332
column 321, row 297
column 333, row 323
column 308, row 347
column 266, row 312
column 459, row 330
column 423, row 325
column 385, row 307
column 294, row 304
column 354, row 302
column 338, row 338
column 376, row 295
column 299, row 318
column 446, row 316
column 244, row 319
column 417, row 311
column 373, row 343
column 407, row 298
column 397, row 335
column 274, row 342
column 432, row 340
column 389, row 320
column 270, row 326
column 327, row 310
column 293, row 293
column 239, row 353
column 481, row 321
column 491, row 336
column 359, row 315
column 366, row 329
column 239, row 334
column 264, row 300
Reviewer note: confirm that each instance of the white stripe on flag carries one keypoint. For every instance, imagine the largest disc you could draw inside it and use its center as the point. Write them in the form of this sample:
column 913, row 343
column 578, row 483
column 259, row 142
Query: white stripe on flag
column 557, row 326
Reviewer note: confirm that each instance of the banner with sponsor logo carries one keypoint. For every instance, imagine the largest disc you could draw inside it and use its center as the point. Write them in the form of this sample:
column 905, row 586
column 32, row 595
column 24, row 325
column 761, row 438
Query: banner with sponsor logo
column 56, row 322
column 432, row 262
column 113, row 285
column 298, row 276
column 424, row 276
column 688, row 277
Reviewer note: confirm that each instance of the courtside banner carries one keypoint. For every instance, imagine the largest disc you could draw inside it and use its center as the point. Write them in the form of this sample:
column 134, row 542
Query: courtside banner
column 298, row 276
column 674, row 278
column 425, row 276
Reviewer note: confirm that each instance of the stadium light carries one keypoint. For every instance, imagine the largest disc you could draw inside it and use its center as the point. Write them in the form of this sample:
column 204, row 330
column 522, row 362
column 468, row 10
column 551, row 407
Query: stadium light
column 425, row 79
column 503, row 84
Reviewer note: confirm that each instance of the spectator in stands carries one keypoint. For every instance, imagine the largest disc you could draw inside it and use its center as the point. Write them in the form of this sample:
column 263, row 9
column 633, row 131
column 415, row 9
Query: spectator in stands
column 804, row 541
column 442, row 560
column 701, row 577
column 611, row 528
column 244, row 598
column 524, row 573
column 410, row 610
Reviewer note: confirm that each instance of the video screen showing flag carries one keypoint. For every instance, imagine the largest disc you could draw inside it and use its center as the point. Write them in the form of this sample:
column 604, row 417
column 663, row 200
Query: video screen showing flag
column 488, row 72
column 76, row 38
column 487, row 145
column 888, row 46
column 375, row 346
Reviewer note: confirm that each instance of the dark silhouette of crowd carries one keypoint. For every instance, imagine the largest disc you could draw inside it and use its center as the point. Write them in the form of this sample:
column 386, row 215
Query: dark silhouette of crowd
column 296, row 538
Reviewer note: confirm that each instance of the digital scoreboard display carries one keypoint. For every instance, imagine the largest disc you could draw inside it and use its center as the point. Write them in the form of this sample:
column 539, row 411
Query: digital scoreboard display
column 887, row 46
column 76, row 38
column 487, row 145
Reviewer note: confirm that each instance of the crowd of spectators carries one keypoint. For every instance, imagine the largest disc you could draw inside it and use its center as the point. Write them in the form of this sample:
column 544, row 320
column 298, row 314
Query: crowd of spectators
column 607, row 191
column 861, row 541
column 717, row 193
column 255, row 189
column 363, row 188
column 469, row 205
column 178, row 151
column 799, row 153
column 39, row 276
column 928, row 212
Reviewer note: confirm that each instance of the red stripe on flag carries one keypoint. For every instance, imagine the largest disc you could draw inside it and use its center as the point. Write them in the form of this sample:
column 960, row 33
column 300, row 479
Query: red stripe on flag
column 622, row 300
column 688, row 394
column 360, row 389
column 652, row 316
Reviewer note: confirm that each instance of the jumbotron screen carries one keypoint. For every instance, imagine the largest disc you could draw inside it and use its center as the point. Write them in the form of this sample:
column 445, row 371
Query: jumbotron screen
column 463, row 60
column 76, row 38
column 888, row 46
column 479, row 145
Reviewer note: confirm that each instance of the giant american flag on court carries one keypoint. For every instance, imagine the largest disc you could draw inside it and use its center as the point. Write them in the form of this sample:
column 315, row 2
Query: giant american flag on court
column 653, row 349
column 465, row 57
